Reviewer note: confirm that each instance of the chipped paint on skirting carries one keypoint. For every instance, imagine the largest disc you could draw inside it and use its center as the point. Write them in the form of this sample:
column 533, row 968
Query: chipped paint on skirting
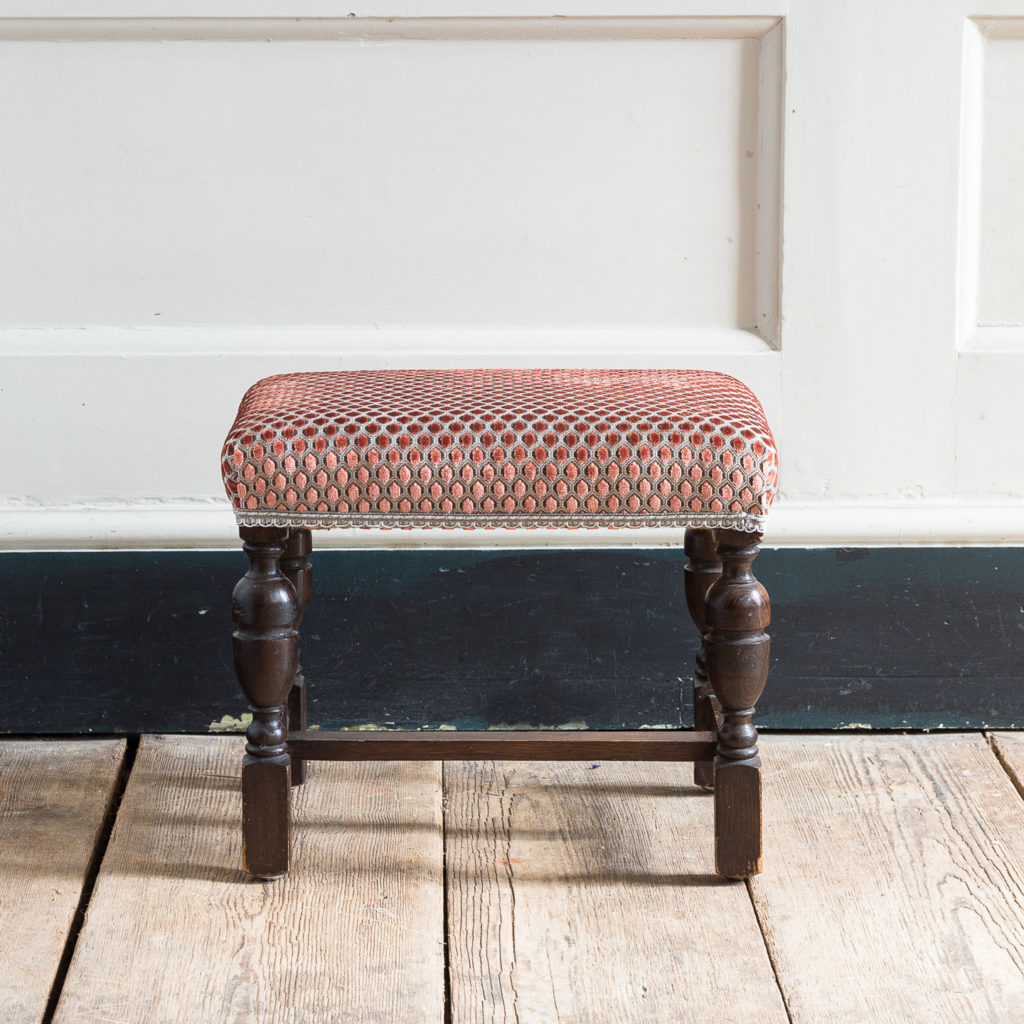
column 231, row 724
column 573, row 725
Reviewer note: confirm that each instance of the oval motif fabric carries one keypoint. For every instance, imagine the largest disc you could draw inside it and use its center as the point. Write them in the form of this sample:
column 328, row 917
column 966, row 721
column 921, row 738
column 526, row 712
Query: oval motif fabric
column 500, row 448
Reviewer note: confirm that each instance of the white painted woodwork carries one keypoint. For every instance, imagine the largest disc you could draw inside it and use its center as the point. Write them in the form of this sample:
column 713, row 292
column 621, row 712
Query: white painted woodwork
column 820, row 198
column 993, row 156
column 505, row 179
column 990, row 364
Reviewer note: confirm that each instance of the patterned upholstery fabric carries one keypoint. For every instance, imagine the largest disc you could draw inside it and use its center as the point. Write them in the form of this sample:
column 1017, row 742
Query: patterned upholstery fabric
column 508, row 448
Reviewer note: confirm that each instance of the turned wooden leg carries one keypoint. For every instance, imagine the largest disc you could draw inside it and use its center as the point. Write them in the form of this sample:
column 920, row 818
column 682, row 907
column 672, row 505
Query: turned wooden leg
column 737, row 612
column 295, row 566
column 266, row 659
column 702, row 569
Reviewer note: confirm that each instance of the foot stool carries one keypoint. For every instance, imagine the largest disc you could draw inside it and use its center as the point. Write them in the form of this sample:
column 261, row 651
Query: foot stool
column 485, row 449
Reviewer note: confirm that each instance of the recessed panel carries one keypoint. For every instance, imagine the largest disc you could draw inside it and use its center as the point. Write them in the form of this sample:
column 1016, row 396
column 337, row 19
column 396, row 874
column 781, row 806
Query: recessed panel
column 1000, row 301
column 525, row 181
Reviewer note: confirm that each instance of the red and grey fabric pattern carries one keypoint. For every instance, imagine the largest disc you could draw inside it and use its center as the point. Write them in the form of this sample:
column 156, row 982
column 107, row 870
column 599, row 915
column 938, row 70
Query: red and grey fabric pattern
column 500, row 448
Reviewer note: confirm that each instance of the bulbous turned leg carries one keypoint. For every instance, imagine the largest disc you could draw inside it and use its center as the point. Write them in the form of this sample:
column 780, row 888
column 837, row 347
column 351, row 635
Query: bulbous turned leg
column 702, row 569
column 266, row 658
column 737, row 650
column 299, row 572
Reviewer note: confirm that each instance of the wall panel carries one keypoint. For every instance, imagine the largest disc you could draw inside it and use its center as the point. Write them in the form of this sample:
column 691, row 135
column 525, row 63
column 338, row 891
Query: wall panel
column 820, row 198
column 520, row 174
column 990, row 364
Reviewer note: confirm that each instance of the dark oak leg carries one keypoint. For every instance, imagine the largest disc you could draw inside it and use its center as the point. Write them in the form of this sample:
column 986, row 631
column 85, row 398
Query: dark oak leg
column 266, row 658
column 702, row 569
column 737, row 611
column 295, row 566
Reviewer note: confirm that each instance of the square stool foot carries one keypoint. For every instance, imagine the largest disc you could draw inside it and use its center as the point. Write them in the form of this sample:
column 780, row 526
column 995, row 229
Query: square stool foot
column 737, row 817
column 266, row 815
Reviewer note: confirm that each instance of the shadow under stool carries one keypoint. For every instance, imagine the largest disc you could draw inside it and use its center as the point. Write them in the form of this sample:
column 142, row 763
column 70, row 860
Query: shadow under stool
column 685, row 450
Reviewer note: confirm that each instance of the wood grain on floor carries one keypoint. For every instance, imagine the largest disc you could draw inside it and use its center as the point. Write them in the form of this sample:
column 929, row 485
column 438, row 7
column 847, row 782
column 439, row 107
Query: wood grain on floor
column 894, row 882
column 893, row 890
column 1009, row 748
column 54, row 795
column 585, row 894
column 176, row 932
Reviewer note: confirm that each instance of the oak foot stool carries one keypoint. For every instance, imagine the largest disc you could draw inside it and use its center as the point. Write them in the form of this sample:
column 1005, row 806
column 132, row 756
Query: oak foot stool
column 485, row 449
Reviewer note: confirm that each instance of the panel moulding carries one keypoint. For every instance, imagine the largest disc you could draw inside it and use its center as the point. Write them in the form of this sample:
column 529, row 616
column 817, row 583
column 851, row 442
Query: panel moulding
column 768, row 232
column 978, row 330
column 256, row 29
column 756, row 312
column 368, row 347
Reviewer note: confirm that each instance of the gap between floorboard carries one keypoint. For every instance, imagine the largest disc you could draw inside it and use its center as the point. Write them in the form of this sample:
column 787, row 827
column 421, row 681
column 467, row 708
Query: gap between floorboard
column 1000, row 755
column 768, row 950
column 446, row 943
column 124, row 772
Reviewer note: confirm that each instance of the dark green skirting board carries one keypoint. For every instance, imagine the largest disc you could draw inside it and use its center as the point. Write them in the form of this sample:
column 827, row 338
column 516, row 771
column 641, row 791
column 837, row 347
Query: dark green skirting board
column 109, row 642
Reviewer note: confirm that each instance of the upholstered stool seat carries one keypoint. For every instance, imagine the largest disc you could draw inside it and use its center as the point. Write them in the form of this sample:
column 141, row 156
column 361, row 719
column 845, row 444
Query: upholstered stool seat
column 681, row 449
column 464, row 448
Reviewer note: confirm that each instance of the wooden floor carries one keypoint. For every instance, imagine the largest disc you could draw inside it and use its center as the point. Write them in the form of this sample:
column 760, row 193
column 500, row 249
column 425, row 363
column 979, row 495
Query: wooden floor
column 515, row 893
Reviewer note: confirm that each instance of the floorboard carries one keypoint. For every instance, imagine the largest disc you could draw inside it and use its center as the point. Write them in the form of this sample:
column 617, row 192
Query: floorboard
column 1009, row 748
column 893, row 890
column 176, row 932
column 584, row 894
column 894, row 880
column 54, row 796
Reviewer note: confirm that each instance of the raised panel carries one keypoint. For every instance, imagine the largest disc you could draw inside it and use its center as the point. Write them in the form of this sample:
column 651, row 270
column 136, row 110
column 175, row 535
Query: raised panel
column 993, row 169
column 990, row 365
column 543, row 172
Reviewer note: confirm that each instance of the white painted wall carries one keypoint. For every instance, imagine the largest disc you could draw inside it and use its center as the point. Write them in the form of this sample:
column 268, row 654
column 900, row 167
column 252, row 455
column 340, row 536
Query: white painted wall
column 822, row 198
